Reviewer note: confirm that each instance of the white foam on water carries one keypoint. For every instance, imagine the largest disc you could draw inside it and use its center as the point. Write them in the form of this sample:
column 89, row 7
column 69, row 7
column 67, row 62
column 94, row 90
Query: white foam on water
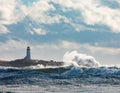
column 79, row 60
column 39, row 66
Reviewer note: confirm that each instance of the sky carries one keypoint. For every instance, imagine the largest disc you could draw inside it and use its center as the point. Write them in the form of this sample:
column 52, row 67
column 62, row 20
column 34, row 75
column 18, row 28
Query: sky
column 53, row 27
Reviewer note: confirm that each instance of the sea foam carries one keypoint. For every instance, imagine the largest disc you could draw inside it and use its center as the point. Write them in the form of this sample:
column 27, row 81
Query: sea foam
column 79, row 60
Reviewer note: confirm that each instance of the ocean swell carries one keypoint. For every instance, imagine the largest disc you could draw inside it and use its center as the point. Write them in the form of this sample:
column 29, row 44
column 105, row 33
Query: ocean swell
column 61, row 75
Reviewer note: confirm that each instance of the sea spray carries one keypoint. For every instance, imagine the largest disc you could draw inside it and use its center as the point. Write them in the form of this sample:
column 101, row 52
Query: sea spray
column 79, row 60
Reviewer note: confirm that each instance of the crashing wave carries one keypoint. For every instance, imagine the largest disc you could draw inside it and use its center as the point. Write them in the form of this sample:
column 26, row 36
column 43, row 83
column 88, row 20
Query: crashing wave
column 79, row 60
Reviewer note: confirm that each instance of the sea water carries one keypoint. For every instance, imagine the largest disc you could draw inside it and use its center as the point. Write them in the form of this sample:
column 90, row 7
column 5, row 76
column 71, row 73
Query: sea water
column 67, row 79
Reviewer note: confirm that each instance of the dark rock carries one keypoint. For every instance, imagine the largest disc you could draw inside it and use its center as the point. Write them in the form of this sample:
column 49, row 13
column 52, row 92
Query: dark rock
column 25, row 63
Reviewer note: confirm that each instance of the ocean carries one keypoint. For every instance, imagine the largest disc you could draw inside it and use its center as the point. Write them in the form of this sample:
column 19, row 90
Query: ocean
column 66, row 79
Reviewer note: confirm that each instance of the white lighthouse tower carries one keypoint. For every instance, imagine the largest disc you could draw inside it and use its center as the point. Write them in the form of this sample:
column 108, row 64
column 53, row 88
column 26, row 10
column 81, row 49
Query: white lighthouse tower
column 28, row 55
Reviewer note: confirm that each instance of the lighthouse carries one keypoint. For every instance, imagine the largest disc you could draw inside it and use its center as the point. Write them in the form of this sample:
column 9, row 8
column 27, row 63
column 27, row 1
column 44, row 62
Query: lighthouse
column 28, row 55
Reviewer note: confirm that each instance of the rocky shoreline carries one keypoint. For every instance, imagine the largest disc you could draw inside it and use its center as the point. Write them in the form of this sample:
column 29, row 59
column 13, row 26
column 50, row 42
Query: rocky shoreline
column 25, row 63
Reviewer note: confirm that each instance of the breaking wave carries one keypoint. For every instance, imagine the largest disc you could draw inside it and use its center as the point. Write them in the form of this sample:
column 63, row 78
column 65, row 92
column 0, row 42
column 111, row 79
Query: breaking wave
column 79, row 60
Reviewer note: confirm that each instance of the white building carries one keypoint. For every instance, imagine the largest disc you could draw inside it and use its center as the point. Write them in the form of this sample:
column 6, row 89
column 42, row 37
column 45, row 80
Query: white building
column 28, row 55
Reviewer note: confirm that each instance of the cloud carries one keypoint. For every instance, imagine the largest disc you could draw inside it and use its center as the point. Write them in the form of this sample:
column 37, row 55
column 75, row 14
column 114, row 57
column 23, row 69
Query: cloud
column 13, row 44
column 7, row 11
column 36, row 30
column 67, row 44
column 64, row 45
column 118, row 1
column 103, row 15
column 39, row 12
column 3, row 30
column 90, row 48
column 6, row 14
column 12, row 49
column 94, row 13
column 10, row 12
column 14, row 11
column 39, row 31
column 45, row 12
column 38, row 9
